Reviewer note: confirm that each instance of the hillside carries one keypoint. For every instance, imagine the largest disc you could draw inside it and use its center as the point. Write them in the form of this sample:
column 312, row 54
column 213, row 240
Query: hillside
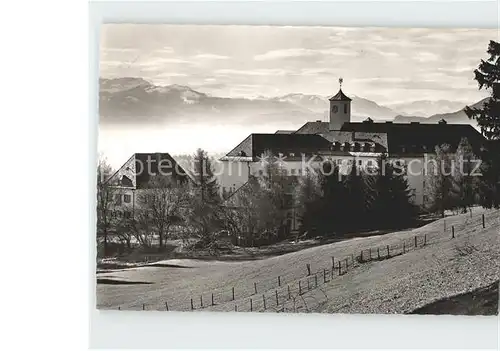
column 401, row 283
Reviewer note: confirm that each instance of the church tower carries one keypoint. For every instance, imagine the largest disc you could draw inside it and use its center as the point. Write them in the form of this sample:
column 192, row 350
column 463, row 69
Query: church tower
column 340, row 109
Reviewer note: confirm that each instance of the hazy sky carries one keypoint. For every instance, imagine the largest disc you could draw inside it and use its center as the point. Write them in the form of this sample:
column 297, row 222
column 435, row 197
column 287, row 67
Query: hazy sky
column 383, row 64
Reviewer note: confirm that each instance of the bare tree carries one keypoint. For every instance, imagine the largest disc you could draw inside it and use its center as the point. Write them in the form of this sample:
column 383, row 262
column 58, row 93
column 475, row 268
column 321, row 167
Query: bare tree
column 162, row 204
column 465, row 182
column 105, row 202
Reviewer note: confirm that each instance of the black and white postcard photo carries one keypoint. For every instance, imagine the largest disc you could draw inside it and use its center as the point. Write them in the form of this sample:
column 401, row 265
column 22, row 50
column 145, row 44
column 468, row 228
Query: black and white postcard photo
column 298, row 169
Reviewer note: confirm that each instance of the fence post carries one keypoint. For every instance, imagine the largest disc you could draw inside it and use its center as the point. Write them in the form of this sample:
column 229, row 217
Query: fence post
column 308, row 269
column 324, row 275
column 300, row 289
column 143, row 306
column 484, row 224
column 308, row 285
column 370, row 253
column 201, row 300
column 166, row 305
column 415, row 241
column 251, row 305
column 255, row 287
column 192, row 307
column 425, row 239
column 233, row 293
column 444, row 225
column 333, row 262
column 118, row 308
column 276, row 292
column 212, row 299
column 361, row 256
column 452, row 232
column 235, row 308
column 404, row 246
column 346, row 263
column 279, row 280
column 264, row 300
column 289, row 295
column 378, row 253
column 315, row 280
column 340, row 268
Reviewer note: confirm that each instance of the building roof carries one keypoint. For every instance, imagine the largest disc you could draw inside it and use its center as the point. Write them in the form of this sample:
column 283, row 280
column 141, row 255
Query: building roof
column 340, row 96
column 257, row 144
column 317, row 127
column 418, row 138
column 141, row 167
column 280, row 131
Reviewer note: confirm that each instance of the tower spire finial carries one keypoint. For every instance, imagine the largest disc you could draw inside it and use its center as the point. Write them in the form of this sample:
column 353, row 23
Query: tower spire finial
column 341, row 80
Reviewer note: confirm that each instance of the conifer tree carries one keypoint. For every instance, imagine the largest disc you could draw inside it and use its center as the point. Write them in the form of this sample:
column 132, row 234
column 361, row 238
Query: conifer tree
column 206, row 215
column 440, row 180
column 392, row 203
column 487, row 76
column 354, row 200
column 307, row 200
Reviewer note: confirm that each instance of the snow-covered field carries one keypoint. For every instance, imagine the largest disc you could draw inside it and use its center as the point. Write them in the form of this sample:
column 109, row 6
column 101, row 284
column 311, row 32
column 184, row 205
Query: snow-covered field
column 399, row 284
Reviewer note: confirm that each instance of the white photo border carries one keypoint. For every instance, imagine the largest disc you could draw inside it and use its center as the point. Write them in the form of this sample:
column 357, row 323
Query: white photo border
column 145, row 330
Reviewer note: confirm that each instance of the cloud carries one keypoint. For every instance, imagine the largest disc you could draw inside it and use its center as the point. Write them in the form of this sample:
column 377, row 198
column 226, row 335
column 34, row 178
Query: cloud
column 119, row 50
column 283, row 54
column 303, row 53
column 424, row 56
column 385, row 62
column 256, row 72
column 165, row 50
column 210, row 57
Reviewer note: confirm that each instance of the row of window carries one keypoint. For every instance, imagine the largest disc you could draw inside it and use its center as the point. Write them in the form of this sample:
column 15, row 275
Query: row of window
column 120, row 214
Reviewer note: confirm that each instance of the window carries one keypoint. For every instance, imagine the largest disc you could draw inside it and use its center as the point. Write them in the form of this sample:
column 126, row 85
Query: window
column 300, row 171
column 118, row 199
column 292, row 154
column 127, row 198
column 345, row 108
column 369, row 163
column 360, row 162
column 261, row 172
column 293, row 171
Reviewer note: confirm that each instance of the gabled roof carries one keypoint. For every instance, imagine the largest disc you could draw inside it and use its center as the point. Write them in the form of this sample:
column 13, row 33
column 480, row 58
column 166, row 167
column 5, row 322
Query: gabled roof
column 317, row 127
column 417, row 137
column 257, row 144
column 141, row 167
column 281, row 131
column 340, row 96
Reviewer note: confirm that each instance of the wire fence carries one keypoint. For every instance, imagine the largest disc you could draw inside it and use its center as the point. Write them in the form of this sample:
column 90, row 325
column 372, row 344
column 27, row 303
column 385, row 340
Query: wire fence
column 285, row 293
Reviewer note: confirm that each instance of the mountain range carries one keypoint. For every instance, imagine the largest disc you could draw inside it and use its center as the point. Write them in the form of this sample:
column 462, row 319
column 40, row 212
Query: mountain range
column 135, row 101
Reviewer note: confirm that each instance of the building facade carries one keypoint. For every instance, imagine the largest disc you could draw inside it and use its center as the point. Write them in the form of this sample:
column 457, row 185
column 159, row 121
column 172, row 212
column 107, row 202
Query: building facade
column 408, row 145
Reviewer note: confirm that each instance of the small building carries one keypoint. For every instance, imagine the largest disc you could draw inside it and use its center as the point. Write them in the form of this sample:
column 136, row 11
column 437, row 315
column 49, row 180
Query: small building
column 137, row 173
